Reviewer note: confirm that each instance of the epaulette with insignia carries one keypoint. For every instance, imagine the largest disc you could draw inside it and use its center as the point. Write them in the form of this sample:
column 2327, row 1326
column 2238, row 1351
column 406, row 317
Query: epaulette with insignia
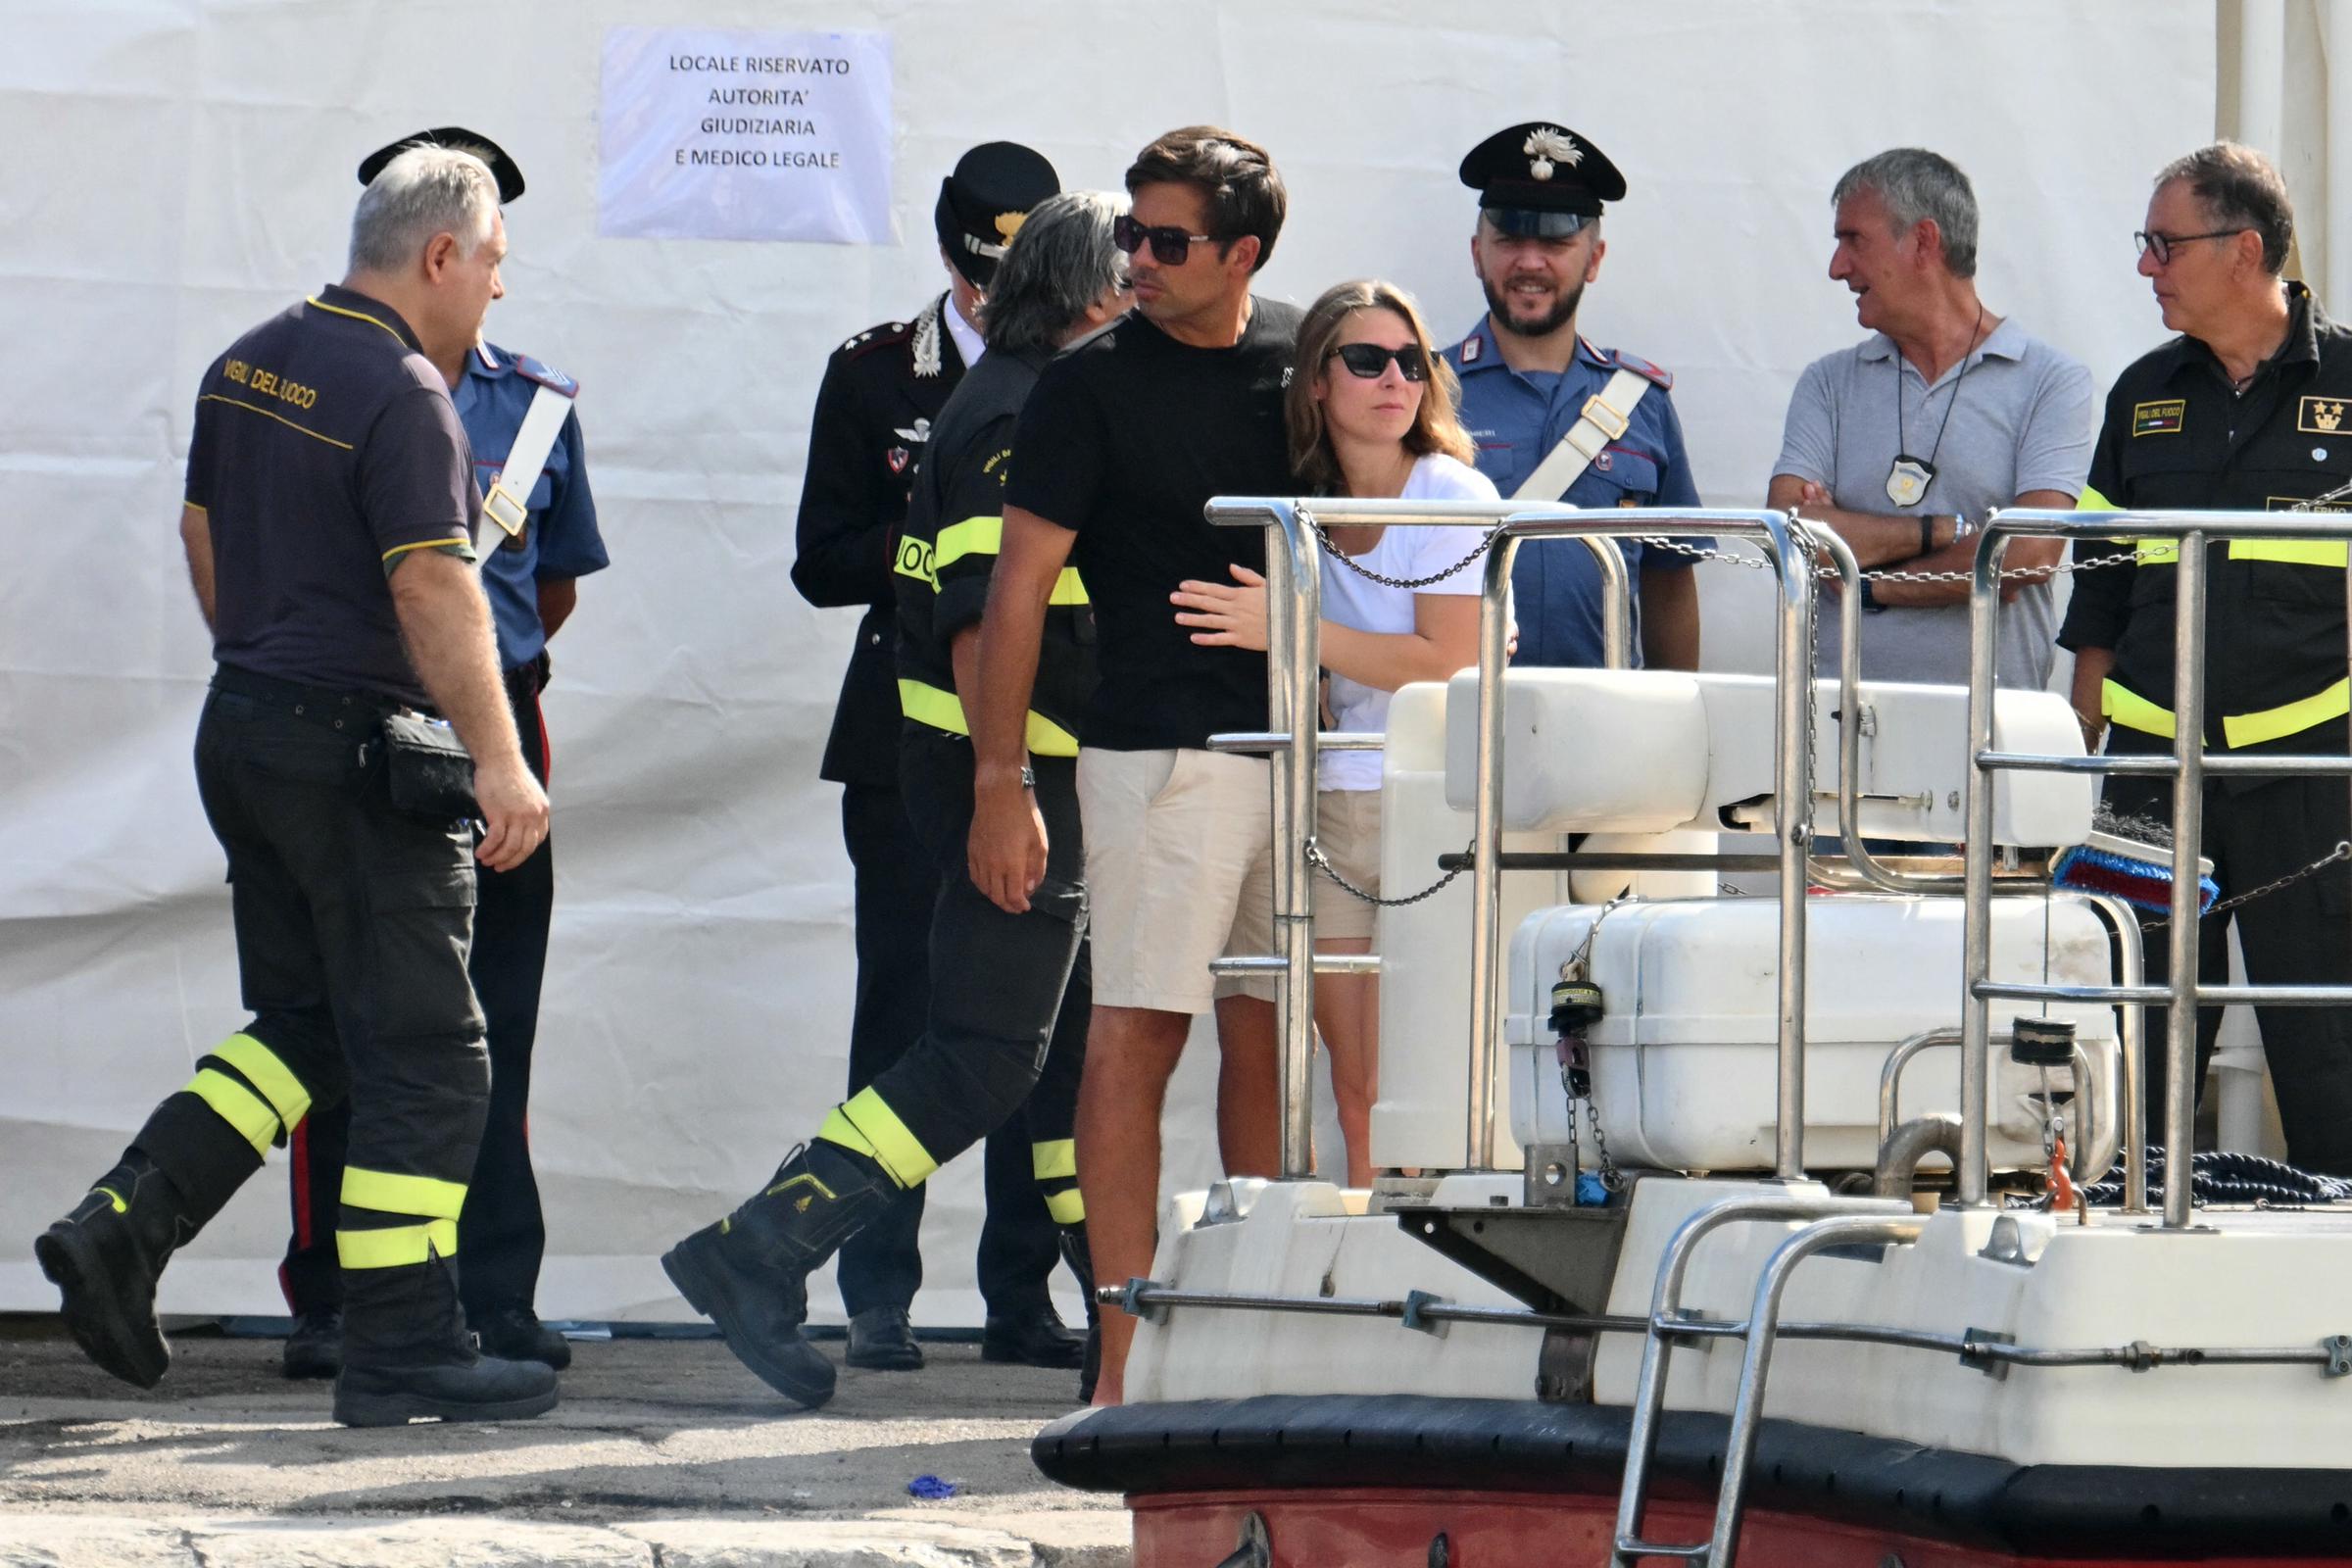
column 874, row 337
column 546, row 376
column 1467, row 351
column 1643, row 367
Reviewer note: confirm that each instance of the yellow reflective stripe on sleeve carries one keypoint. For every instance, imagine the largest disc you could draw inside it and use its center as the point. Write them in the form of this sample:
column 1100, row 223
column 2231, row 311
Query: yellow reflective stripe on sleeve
column 1066, row 1207
column 2092, row 500
column 895, row 1148
column 2154, row 551
column 237, row 1105
column 926, row 703
column 2135, row 711
column 391, row 1192
column 397, row 1247
column 1069, row 588
column 940, row 709
column 1056, row 1158
column 2288, row 718
column 2291, row 552
column 266, row 1072
column 973, row 536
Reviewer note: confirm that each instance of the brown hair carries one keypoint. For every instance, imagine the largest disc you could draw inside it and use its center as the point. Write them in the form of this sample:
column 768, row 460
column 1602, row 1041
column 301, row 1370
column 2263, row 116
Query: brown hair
column 2242, row 189
column 1244, row 191
column 1436, row 427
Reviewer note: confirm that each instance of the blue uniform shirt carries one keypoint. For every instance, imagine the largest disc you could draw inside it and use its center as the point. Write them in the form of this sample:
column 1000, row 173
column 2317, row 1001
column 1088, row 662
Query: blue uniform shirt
column 560, row 541
column 1516, row 421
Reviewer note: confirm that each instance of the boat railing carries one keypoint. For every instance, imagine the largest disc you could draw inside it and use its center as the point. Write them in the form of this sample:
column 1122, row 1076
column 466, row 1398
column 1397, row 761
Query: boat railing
column 2188, row 766
column 1293, row 611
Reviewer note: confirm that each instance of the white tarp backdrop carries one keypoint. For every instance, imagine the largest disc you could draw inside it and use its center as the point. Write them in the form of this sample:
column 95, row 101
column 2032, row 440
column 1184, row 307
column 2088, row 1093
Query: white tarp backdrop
column 183, row 169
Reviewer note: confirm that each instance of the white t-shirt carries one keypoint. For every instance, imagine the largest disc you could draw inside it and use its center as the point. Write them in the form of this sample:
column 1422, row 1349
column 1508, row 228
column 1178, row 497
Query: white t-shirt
column 1352, row 599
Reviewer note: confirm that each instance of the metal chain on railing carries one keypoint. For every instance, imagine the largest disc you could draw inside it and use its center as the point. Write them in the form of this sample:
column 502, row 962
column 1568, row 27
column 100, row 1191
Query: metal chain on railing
column 1332, row 549
column 1894, row 574
column 1322, row 863
column 2342, row 852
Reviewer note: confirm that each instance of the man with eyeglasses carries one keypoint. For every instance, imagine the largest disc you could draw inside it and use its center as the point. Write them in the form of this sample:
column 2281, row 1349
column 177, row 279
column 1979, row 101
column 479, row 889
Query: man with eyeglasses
column 1118, row 450
column 2249, row 409
column 882, row 389
column 1906, row 440
column 1556, row 418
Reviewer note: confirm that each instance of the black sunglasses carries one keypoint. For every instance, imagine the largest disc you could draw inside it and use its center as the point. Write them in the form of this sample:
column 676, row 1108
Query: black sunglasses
column 1370, row 359
column 2161, row 246
column 1169, row 244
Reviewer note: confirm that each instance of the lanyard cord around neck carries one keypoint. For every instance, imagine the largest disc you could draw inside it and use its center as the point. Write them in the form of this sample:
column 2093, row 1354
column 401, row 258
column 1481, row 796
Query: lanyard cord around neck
column 1902, row 447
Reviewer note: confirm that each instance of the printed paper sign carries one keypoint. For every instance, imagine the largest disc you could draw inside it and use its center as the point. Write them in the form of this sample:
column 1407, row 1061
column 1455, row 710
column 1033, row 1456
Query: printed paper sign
column 712, row 134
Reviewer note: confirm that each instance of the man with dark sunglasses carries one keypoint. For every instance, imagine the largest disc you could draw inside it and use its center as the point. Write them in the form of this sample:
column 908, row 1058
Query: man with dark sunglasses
column 1556, row 418
column 1118, row 450
column 2249, row 409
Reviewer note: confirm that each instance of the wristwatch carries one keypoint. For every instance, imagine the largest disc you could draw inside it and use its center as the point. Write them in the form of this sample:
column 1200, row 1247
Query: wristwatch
column 1869, row 599
column 1028, row 776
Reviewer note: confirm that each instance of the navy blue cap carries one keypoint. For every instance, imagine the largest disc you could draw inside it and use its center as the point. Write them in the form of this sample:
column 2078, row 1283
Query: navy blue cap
column 981, row 202
column 458, row 139
column 1541, row 178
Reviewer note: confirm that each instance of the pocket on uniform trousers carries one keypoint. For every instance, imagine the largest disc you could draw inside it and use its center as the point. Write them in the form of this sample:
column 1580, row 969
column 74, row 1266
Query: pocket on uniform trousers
column 421, row 924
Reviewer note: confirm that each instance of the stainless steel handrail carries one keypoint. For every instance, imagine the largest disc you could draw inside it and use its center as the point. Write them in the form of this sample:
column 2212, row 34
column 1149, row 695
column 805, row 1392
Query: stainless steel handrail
column 2188, row 767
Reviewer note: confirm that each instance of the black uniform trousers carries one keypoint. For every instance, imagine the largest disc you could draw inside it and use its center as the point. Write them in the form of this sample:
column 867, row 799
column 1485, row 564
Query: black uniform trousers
column 1011, row 993
column 352, row 921
column 2301, row 935
column 502, row 1237
column 897, row 880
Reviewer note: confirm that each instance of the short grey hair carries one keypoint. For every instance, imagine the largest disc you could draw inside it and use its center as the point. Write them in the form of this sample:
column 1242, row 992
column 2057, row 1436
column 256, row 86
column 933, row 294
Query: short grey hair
column 1060, row 262
column 425, row 192
column 2239, row 188
column 1917, row 185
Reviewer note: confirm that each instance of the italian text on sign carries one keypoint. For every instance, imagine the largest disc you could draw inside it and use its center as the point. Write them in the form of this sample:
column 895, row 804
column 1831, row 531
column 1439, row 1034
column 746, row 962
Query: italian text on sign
column 746, row 135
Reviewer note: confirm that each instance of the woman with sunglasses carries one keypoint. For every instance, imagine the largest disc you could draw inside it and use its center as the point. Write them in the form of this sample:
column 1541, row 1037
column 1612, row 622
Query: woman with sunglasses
column 1370, row 414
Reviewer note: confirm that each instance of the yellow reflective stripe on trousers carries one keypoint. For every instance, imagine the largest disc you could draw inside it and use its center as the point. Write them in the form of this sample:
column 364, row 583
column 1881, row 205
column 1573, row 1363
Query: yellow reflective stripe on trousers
column 390, row 1192
column 2135, row 711
column 887, row 1140
column 2291, row 552
column 397, row 1247
column 237, row 1105
column 266, row 1072
column 1053, row 1159
column 940, row 709
column 1067, row 1207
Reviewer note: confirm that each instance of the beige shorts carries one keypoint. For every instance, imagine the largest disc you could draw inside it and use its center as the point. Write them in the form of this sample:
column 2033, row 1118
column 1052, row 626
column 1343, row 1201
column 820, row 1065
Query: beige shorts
column 1179, row 870
column 1347, row 830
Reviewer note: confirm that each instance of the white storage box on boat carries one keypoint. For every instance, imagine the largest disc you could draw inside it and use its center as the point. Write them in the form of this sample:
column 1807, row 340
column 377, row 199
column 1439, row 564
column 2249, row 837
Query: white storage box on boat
column 1685, row 1062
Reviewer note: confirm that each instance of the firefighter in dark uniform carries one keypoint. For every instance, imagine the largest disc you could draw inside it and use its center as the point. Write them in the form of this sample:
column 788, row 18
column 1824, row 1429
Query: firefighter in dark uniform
column 331, row 508
column 2249, row 409
column 532, row 584
column 1014, row 995
column 882, row 389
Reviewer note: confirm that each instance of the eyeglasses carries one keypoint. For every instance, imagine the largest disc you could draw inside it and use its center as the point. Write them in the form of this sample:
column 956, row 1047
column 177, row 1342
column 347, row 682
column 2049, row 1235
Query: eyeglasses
column 1370, row 361
column 1169, row 244
column 2161, row 246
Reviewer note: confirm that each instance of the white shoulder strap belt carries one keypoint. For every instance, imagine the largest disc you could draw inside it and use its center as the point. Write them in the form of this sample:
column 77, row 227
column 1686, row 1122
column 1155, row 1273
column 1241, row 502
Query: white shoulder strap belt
column 506, row 506
column 1607, row 414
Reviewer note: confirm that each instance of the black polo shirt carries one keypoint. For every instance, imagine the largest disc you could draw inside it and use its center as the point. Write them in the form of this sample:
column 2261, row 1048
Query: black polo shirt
column 947, row 555
column 2175, row 437
column 325, row 448
column 1124, row 442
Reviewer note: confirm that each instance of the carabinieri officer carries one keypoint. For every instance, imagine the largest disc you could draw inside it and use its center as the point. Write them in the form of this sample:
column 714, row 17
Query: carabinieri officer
column 532, row 584
column 881, row 390
column 2249, row 409
column 1597, row 426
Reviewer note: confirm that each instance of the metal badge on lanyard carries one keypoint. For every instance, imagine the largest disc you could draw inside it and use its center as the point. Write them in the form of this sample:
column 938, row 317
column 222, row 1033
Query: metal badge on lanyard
column 1908, row 478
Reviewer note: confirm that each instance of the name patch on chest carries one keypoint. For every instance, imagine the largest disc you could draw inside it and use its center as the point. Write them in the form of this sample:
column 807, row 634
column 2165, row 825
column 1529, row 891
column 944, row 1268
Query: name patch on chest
column 2319, row 415
column 2159, row 419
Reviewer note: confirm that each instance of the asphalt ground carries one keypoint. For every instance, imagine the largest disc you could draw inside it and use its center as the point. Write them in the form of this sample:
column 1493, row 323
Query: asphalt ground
column 664, row 1451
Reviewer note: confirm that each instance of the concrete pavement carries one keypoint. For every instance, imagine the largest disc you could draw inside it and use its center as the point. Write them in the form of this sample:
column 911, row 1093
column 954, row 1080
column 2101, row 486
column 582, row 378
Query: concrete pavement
column 663, row 1452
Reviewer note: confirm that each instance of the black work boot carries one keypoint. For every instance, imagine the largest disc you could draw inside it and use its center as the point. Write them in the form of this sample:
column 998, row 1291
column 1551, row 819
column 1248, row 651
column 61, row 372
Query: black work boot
column 105, row 1257
column 407, row 1354
column 1074, row 1252
column 514, row 1333
column 315, row 1346
column 749, row 1273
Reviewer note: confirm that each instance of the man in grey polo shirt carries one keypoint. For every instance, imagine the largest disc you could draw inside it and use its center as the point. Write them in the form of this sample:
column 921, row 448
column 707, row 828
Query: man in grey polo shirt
column 1904, row 442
